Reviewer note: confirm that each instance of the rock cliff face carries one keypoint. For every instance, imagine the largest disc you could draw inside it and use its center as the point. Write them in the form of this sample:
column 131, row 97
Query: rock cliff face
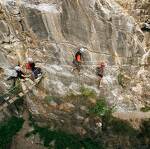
column 50, row 31
column 140, row 10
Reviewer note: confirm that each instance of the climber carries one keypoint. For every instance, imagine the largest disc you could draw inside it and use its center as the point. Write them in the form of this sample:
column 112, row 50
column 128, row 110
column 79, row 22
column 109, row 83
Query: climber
column 78, row 60
column 146, row 26
column 100, row 72
column 30, row 64
column 17, row 73
column 36, row 71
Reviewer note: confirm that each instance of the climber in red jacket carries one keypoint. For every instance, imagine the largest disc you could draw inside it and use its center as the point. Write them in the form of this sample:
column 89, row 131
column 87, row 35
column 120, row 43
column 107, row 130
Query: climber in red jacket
column 78, row 59
column 36, row 71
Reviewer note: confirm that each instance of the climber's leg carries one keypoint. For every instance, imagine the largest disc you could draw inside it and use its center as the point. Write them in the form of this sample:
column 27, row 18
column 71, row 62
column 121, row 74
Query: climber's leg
column 14, row 81
column 99, row 83
column 77, row 66
column 100, row 79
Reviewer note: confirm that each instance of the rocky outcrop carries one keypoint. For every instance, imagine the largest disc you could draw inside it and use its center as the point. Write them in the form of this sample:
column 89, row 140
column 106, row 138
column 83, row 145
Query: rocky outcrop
column 140, row 10
column 51, row 32
column 57, row 29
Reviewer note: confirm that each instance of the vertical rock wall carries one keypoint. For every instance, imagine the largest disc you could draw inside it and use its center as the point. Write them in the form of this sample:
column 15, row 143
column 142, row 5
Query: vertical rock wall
column 51, row 32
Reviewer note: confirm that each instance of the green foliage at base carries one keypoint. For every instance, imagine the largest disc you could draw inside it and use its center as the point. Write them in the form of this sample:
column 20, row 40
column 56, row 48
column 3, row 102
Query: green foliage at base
column 49, row 98
column 116, row 126
column 8, row 129
column 145, row 129
column 15, row 90
column 145, row 109
column 121, row 127
column 101, row 108
column 62, row 140
column 86, row 92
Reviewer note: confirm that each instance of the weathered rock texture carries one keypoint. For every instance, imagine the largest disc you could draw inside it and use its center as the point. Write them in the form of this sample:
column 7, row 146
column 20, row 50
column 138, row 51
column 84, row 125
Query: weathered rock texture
column 140, row 10
column 51, row 31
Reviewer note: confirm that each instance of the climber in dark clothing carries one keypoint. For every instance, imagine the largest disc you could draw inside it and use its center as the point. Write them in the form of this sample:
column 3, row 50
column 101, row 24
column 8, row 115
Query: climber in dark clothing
column 36, row 71
column 17, row 74
column 100, row 72
column 146, row 26
column 78, row 59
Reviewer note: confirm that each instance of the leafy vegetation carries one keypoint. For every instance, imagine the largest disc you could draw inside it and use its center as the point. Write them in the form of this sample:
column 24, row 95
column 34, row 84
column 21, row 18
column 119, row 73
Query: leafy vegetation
column 145, row 109
column 112, row 128
column 116, row 126
column 145, row 129
column 121, row 127
column 62, row 139
column 13, row 91
column 101, row 108
column 86, row 92
column 49, row 98
column 8, row 129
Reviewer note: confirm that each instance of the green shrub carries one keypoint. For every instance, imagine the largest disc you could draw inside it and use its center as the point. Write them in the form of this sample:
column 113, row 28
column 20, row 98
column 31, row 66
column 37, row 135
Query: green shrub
column 121, row 127
column 49, row 98
column 101, row 108
column 86, row 92
column 62, row 139
column 8, row 129
column 15, row 90
column 145, row 109
column 145, row 128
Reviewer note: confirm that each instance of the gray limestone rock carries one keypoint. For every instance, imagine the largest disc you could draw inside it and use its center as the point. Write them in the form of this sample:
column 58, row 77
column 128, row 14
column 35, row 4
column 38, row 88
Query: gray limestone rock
column 51, row 32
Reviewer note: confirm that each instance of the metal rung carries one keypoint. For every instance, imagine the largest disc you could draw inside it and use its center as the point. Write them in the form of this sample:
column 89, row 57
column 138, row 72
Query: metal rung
column 26, row 91
column 21, row 94
column 7, row 98
column 38, row 79
column 11, row 101
column 31, row 81
column 24, row 87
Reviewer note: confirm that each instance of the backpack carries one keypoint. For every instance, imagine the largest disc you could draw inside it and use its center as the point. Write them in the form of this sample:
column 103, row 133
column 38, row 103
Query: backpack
column 78, row 56
column 37, row 71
